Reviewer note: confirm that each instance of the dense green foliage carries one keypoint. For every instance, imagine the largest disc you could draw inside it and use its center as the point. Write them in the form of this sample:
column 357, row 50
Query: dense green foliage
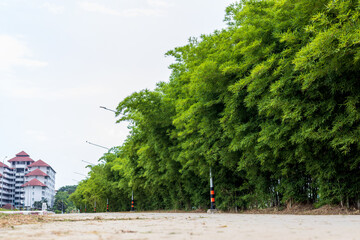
column 62, row 201
column 271, row 104
column 68, row 188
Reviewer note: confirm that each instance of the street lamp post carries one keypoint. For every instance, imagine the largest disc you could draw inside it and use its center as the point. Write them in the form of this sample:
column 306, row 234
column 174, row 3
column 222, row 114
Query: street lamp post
column 80, row 174
column 108, row 109
column 97, row 145
column 88, row 162
column 107, row 200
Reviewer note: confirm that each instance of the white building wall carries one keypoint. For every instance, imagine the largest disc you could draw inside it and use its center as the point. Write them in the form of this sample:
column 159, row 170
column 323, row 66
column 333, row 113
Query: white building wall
column 33, row 194
column 40, row 178
column 20, row 169
column 48, row 181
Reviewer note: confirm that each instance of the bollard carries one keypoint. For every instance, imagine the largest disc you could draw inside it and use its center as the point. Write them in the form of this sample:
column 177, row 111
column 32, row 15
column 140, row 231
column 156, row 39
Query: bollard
column 132, row 202
column 107, row 205
column 212, row 193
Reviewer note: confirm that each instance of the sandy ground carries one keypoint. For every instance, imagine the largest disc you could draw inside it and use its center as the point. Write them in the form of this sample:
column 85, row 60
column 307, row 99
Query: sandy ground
column 106, row 226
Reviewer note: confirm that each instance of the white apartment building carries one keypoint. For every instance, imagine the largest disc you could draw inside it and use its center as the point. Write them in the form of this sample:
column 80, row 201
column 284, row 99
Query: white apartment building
column 26, row 182
column 7, row 178
column 44, row 173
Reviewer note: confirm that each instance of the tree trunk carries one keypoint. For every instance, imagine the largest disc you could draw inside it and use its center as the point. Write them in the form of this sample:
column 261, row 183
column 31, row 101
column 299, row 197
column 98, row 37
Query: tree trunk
column 289, row 204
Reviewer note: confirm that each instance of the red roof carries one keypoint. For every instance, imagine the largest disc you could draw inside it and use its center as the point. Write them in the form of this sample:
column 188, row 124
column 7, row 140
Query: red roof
column 33, row 182
column 39, row 163
column 22, row 154
column 21, row 157
column 3, row 165
column 36, row 172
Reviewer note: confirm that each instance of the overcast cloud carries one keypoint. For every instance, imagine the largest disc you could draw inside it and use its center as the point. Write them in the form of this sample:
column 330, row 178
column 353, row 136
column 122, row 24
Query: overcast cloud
column 62, row 59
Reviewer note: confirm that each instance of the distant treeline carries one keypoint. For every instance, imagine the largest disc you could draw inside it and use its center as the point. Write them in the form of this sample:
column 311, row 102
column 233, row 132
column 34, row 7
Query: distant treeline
column 62, row 202
column 271, row 104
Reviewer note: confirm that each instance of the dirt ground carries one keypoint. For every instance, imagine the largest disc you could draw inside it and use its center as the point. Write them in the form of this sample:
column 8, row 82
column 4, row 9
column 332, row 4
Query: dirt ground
column 300, row 209
column 106, row 226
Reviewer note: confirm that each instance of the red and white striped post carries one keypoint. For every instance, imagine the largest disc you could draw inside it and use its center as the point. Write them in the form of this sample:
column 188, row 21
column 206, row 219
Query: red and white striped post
column 212, row 193
column 132, row 201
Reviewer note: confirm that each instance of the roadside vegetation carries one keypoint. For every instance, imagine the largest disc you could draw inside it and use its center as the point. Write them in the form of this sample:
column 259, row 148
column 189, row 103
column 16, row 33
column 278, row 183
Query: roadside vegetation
column 271, row 103
column 62, row 202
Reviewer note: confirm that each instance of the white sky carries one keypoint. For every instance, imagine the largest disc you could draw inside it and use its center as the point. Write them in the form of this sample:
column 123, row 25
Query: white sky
column 62, row 59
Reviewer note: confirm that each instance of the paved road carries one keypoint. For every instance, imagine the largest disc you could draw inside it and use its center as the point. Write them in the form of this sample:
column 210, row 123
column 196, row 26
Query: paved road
column 188, row 226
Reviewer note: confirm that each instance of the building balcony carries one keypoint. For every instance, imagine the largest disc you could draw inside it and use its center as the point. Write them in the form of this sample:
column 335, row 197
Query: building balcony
column 4, row 180
column 4, row 197
column 6, row 191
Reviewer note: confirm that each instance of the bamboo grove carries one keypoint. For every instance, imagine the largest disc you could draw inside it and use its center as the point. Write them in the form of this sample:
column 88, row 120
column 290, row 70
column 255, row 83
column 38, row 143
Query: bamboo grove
column 270, row 103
